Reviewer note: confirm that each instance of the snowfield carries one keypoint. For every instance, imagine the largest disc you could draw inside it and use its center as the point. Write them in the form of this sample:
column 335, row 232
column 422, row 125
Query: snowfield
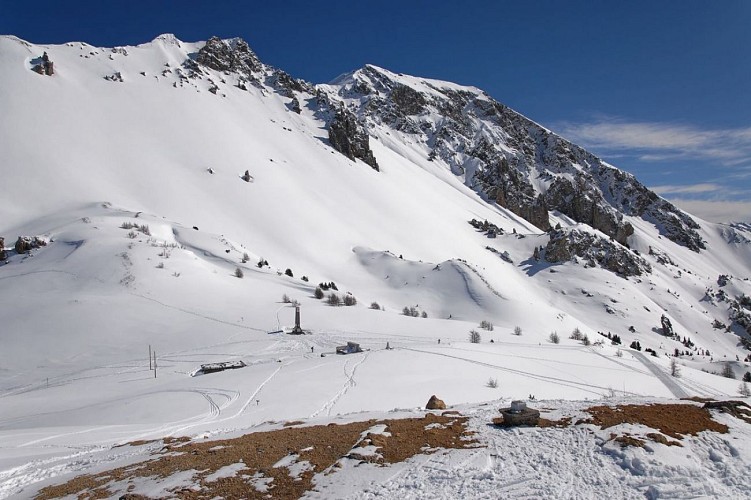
column 143, row 248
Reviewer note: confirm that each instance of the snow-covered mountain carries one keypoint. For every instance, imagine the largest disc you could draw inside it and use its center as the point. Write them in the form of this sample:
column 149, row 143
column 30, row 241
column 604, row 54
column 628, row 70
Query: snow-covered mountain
column 172, row 193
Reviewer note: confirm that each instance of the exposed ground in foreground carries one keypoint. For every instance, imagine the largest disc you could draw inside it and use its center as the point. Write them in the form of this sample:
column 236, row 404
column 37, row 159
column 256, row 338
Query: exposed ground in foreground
column 278, row 464
column 282, row 463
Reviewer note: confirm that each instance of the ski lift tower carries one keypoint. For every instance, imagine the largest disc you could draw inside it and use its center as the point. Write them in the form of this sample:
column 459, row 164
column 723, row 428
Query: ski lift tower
column 297, row 330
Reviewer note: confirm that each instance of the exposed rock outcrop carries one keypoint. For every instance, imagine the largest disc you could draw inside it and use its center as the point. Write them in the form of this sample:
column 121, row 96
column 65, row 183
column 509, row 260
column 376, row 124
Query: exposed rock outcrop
column 349, row 137
column 667, row 326
column 45, row 67
column 511, row 159
column 233, row 55
column 25, row 244
column 3, row 253
column 566, row 245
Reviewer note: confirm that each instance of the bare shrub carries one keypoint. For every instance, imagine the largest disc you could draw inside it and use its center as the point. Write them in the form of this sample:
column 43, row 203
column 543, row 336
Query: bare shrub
column 518, row 331
column 492, row 383
column 318, row 293
column 486, row 325
column 744, row 390
column 727, row 371
column 160, row 265
column 127, row 225
column 286, row 299
column 619, row 353
column 675, row 369
column 375, row 305
column 410, row 311
column 554, row 338
column 245, row 258
column 239, row 273
column 586, row 341
column 333, row 300
column 474, row 336
column 350, row 300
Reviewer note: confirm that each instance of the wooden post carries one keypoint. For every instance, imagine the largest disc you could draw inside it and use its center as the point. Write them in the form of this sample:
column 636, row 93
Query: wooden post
column 154, row 364
column 150, row 368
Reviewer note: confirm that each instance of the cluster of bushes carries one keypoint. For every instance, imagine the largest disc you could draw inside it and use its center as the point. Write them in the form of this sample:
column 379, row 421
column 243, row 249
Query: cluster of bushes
column 412, row 311
column 347, row 300
column 577, row 334
column 326, row 286
column 614, row 339
column 143, row 228
column 486, row 325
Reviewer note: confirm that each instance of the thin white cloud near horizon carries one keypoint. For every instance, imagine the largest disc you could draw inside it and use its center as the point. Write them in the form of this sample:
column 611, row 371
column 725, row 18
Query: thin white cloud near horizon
column 716, row 211
column 661, row 141
column 706, row 187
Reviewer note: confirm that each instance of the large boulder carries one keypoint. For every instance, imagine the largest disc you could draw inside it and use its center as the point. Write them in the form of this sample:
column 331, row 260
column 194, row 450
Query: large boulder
column 435, row 404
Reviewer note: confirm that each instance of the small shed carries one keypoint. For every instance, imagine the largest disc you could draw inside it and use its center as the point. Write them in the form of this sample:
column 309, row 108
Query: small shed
column 350, row 348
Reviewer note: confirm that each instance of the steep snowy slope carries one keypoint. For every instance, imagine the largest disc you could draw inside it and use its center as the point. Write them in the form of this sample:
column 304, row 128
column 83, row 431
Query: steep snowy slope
column 130, row 164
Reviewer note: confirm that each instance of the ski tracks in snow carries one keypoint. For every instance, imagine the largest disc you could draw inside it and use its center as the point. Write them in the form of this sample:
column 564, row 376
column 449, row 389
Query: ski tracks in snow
column 348, row 384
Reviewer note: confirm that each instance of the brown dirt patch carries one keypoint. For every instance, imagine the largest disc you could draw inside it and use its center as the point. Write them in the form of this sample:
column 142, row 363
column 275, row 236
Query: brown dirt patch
column 322, row 446
column 627, row 440
column 544, row 422
column 659, row 438
column 674, row 420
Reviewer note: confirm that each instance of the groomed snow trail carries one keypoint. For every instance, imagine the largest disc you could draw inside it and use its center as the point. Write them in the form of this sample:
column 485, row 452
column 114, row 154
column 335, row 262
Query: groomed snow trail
column 666, row 379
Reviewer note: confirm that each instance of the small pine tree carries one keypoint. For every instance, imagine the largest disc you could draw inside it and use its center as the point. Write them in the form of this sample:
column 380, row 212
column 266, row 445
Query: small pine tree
column 304, row 278
column 375, row 305
column 747, row 377
column 554, row 338
column 239, row 273
column 245, row 258
column 406, row 312
column 318, row 293
column 288, row 272
column 727, row 371
column 424, row 314
column 518, row 331
column 334, row 300
column 474, row 336
column 576, row 334
column 350, row 300
column 586, row 341
column 744, row 390
column 675, row 370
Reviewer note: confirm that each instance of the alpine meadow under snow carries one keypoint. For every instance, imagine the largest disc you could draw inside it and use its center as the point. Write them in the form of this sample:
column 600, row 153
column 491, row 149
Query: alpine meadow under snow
column 166, row 198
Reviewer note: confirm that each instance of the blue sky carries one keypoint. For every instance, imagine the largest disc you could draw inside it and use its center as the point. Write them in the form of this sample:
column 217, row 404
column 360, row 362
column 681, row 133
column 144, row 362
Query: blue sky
column 661, row 89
